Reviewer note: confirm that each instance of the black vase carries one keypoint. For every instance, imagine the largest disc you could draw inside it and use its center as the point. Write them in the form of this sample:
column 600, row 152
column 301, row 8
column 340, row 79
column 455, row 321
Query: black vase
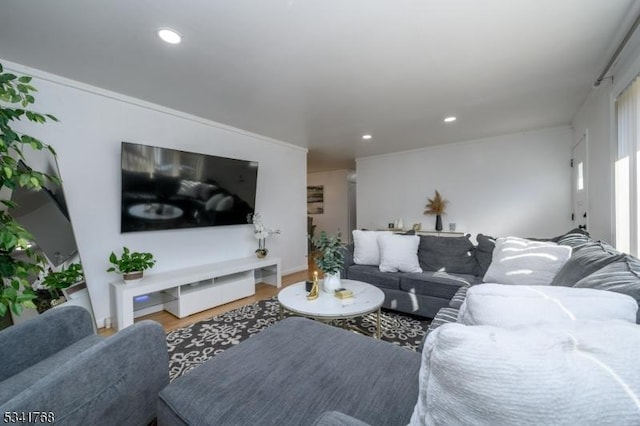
column 438, row 223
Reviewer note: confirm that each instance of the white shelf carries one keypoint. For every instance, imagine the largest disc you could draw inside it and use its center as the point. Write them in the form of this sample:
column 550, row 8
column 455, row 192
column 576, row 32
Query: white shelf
column 146, row 304
column 197, row 288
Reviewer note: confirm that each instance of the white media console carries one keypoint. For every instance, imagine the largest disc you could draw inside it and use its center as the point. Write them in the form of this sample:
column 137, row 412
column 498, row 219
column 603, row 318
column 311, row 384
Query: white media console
column 186, row 291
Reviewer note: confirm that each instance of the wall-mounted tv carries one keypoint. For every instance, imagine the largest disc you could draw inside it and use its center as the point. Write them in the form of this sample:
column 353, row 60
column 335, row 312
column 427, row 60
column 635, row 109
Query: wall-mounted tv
column 167, row 189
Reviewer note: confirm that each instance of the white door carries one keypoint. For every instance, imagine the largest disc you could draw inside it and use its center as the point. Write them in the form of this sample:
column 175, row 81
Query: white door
column 580, row 215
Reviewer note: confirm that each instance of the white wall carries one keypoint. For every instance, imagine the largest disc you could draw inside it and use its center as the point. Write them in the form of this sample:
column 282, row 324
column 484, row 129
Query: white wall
column 596, row 117
column 93, row 122
column 336, row 202
column 517, row 184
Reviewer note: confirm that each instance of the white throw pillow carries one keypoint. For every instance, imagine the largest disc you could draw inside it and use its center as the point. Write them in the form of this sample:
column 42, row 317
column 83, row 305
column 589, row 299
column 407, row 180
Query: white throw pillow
column 399, row 253
column 507, row 305
column 525, row 262
column 365, row 247
column 582, row 374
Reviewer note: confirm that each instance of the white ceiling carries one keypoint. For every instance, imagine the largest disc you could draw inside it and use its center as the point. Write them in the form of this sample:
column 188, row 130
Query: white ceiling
column 320, row 73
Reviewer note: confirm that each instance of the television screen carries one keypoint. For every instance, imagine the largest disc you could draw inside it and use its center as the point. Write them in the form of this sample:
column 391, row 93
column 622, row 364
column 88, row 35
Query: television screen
column 44, row 214
column 167, row 189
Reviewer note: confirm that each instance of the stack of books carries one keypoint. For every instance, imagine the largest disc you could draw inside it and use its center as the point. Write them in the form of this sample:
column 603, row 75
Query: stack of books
column 343, row 293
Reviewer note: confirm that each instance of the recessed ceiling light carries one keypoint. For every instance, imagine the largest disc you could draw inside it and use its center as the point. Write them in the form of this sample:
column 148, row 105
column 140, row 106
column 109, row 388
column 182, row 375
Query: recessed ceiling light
column 449, row 119
column 170, row 36
column 366, row 137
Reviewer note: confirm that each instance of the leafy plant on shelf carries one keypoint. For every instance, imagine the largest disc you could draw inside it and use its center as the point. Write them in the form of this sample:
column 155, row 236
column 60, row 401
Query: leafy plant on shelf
column 18, row 260
column 56, row 281
column 329, row 253
column 130, row 261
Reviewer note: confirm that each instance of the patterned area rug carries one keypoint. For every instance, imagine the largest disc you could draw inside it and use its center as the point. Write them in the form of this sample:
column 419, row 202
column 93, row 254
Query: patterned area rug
column 191, row 346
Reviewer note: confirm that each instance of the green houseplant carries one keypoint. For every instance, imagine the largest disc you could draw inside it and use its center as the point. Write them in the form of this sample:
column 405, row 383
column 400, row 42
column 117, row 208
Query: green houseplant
column 55, row 281
column 131, row 264
column 329, row 259
column 18, row 261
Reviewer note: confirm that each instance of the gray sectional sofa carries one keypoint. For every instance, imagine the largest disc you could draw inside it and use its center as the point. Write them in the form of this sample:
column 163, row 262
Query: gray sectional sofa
column 448, row 263
column 301, row 372
column 593, row 264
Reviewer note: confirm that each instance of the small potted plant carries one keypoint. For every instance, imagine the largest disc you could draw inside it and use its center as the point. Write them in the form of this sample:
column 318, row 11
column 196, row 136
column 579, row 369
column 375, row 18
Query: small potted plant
column 56, row 281
column 261, row 233
column 436, row 206
column 131, row 264
column 330, row 260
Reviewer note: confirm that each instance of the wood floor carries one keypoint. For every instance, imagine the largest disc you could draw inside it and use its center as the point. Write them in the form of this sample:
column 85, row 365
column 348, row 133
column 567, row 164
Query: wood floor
column 263, row 291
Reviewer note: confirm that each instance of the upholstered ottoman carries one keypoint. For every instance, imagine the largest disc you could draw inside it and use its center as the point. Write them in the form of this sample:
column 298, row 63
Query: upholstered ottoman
column 293, row 372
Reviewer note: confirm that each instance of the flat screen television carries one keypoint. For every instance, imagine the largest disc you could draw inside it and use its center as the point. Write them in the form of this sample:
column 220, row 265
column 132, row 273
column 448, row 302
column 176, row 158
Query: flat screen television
column 166, row 188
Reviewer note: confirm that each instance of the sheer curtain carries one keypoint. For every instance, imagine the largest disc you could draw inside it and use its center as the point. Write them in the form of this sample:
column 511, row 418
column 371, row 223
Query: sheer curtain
column 627, row 184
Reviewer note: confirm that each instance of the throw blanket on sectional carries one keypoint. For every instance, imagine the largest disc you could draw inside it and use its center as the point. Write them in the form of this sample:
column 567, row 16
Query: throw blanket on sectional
column 582, row 373
column 507, row 305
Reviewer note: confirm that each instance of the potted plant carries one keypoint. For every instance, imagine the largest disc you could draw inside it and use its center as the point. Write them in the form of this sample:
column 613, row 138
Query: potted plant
column 436, row 206
column 329, row 259
column 18, row 260
column 131, row 264
column 56, row 281
column 261, row 233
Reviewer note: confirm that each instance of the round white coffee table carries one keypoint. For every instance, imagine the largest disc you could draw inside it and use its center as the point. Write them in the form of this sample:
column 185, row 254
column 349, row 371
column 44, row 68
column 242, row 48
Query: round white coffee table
column 366, row 299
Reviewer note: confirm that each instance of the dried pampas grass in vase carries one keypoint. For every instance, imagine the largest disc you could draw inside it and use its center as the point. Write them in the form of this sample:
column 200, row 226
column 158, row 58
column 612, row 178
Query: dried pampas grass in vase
column 436, row 206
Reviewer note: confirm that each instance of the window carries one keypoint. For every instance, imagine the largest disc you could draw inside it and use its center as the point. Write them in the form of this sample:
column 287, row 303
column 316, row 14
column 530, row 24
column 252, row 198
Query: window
column 580, row 185
column 627, row 183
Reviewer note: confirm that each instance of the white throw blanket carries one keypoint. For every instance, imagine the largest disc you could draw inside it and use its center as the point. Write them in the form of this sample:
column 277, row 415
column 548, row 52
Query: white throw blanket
column 508, row 305
column 583, row 373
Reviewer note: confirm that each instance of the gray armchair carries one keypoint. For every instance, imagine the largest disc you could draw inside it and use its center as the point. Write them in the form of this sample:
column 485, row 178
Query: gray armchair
column 55, row 363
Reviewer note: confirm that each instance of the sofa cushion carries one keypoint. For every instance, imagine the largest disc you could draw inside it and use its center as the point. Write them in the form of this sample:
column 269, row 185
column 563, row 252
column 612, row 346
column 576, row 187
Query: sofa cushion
column 399, row 253
column 444, row 316
column 458, row 299
column 574, row 238
column 372, row 275
column 586, row 259
column 579, row 374
column 17, row 383
column 291, row 373
column 436, row 284
column 525, row 262
column 510, row 305
column 448, row 254
column 365, row 247
column 622, row 276
column 484, row 253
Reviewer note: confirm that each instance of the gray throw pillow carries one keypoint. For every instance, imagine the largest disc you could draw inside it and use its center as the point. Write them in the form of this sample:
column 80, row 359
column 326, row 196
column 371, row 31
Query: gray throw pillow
column 484, row 253
column 450, row 254
column 585, row 260
column 573, row 231
column 622, row 276
column 574, row 239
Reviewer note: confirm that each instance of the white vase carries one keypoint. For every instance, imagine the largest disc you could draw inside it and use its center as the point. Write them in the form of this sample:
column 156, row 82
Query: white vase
column 331, row 282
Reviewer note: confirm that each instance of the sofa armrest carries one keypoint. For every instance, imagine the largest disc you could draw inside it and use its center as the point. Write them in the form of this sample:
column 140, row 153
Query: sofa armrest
column 28, row 343
column 348, row 260
column 114, row 382
column 336, row 418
